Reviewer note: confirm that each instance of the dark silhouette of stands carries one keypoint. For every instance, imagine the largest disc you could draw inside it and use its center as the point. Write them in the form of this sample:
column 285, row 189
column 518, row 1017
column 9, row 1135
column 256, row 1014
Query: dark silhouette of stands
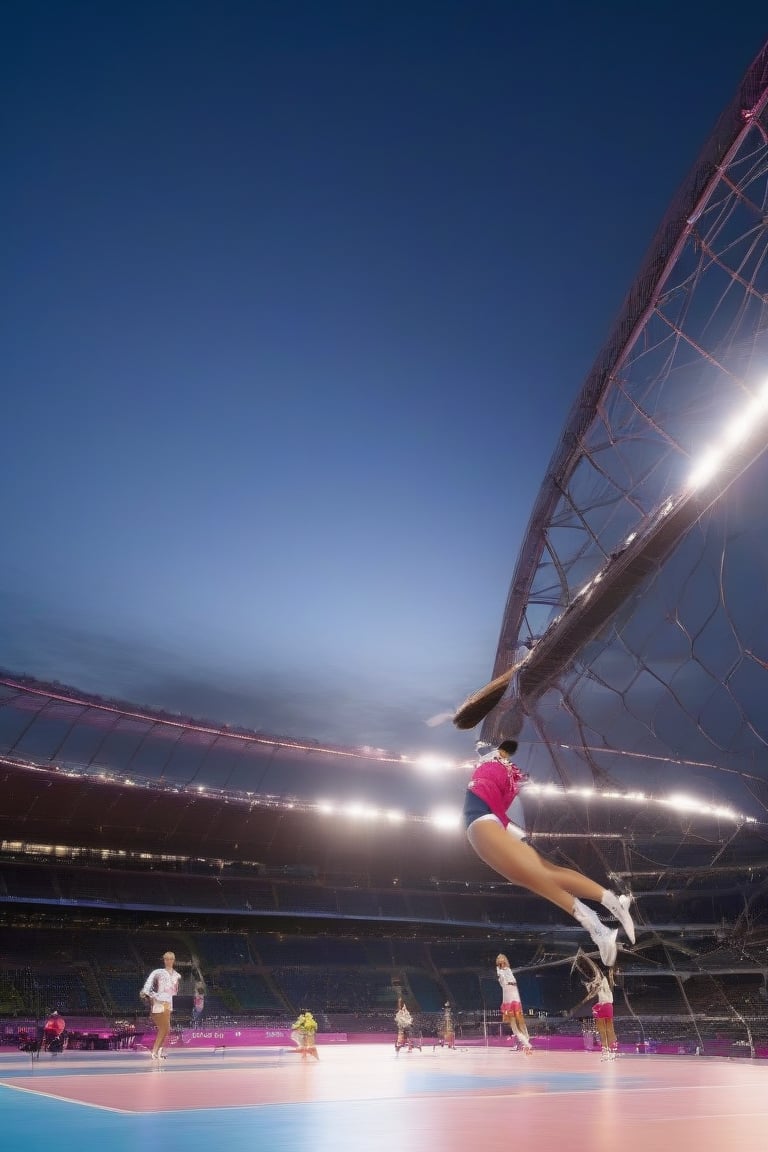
column 355, row 982
column 81, row 933
column 206, row 887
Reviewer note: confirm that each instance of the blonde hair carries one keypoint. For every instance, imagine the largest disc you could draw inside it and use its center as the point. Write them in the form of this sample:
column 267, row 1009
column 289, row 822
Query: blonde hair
column 501, row 956
column 167, row 954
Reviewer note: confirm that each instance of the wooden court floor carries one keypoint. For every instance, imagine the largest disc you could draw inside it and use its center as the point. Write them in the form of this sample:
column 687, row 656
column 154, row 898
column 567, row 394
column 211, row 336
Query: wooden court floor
column 361, row 1097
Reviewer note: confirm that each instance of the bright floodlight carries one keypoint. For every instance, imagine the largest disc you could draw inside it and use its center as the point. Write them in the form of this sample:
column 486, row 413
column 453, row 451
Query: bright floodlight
column 706, row 468
column 430, row 763
column 736, row 432
column 741, row 425
column 360, row 811
column 446, row 818
column 683, row 803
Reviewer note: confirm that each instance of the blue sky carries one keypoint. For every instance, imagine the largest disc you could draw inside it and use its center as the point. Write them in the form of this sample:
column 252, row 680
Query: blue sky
column 296, row 298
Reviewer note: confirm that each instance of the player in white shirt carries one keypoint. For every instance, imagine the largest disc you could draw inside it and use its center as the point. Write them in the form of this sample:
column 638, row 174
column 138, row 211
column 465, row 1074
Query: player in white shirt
column 511, row 1006
column 600, row 985
column 160, row 987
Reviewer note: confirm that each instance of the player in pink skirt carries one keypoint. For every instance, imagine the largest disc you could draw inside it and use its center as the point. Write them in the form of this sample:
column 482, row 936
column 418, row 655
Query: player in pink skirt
column 601, row 986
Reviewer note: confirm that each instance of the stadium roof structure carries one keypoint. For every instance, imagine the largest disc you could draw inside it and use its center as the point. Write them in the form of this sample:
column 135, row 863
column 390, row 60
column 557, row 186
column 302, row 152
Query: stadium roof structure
column 93, row 772
column 81, row 772
column 636, row 617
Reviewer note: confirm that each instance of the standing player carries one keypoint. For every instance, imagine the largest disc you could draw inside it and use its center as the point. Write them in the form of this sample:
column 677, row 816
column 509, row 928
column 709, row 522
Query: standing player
column 303, row 1035
column 404, row 1022
column 511, row 1006
column 52, row 1032
column 601, row 986
column 494, row 785
column 448, row 1028
column 160, row 987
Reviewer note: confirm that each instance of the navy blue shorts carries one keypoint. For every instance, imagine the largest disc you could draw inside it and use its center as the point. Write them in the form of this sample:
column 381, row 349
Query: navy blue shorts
column 474, row 807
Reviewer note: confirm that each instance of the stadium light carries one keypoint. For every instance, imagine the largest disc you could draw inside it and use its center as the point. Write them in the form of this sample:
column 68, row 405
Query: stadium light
column 447, row 819
column 431, row 763
column 359, row 811
column 707, row 467
column 681, row 802
column 739, row 429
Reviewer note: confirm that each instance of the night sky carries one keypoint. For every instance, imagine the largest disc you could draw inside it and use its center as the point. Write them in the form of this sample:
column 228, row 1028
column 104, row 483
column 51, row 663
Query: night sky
column 296, row 299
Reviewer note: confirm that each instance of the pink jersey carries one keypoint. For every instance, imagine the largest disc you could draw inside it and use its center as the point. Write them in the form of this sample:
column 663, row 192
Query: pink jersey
column 55, row 1025
column 497, row 783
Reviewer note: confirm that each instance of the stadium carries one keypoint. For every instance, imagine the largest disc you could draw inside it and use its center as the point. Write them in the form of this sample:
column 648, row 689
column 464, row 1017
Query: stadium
column 283, row 874
column 286, row 875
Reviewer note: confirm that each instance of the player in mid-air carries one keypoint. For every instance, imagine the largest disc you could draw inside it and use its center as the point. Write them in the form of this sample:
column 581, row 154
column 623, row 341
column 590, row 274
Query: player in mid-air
column 501, row 844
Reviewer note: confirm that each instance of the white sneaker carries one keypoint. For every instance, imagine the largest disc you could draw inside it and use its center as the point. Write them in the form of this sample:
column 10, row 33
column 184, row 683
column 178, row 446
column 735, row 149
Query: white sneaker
column 627, row 921
column 605, row 938
column 618, row 906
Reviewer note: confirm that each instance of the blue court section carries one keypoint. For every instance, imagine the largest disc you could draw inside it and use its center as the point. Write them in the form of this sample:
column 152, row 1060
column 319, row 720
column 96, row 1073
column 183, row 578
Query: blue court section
column 41, row 1123
column 36, row 1124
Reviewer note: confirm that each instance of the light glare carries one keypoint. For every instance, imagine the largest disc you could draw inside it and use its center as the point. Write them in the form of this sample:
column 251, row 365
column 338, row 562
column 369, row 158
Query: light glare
column 706, row 468
column 446, row 818
column 431, row 763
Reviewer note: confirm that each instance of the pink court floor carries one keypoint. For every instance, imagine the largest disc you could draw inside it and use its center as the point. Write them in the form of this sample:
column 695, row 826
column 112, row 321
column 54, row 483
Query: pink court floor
column 366, row 1097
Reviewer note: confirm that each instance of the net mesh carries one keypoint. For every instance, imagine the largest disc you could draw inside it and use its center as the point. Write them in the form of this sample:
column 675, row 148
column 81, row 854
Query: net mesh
column 658, row 686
